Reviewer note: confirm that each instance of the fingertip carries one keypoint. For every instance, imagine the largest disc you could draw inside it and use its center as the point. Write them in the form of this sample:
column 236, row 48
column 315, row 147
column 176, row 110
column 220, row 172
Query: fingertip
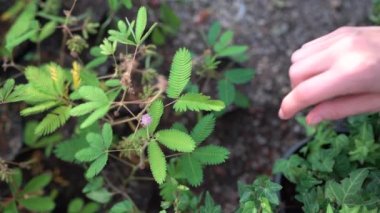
column 313, row 119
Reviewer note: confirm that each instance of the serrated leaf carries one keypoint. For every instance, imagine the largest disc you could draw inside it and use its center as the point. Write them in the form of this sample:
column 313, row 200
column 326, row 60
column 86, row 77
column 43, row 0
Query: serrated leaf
column 97, row 166
column 155, row 111
column 239, row 75
column 53, row 121
column 192, row 169
column 157, row 162
column 211, row 155
column 176, row 140
column 197, row 102
column 37, row 183
column 141, row 21
column 179, row 73
column 226, row 91
column 38, row 204
column 347, row 191
column 203, row 128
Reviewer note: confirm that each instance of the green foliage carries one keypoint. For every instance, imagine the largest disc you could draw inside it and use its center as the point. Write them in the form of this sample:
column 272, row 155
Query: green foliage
column 24, row 28
column 66, row 149
column 175, row 140
column 336, row 171
column 96, row 191
column 261, row 196
column 179, row 73
column 8, row 94
column 239, row 75
column 98, row 104
column 108, row 48
column 168, row 26
column 374, row 16
column 197, row 102
column 155, row 111
column 157, row 162
column 31, row 196
column 226, row 91
column 77, row 205
column 203, row 129
column 211, row 155
column 210, row 206
column 46, row 90
column 121, row 207
column 135, row 90
column 97, row 152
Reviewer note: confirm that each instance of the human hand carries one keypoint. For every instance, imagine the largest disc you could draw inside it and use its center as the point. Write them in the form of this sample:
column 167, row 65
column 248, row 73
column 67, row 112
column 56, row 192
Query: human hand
column 338, row 74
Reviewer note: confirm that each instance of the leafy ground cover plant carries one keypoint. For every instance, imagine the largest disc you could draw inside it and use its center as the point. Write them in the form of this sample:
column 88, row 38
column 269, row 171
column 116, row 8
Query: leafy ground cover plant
column 374, row 15
column 75, row 112
column 337, row 172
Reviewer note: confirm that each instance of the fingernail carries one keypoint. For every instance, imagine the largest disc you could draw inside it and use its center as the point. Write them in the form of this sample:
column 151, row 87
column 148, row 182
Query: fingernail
column 314, row 120
column 281, row 114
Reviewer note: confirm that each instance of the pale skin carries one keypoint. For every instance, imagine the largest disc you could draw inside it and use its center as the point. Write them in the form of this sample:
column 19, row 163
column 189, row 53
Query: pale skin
column 337, row 75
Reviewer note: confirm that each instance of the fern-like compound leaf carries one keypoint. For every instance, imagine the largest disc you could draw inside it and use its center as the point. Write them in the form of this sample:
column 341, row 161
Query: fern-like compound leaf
column 92, row 93
column 97, row 166
column 197, row 102
column 96, row 115
column 85, row 108
column 179, row 73
column 191, row 169
column 211, row 154
column 157, row 162
column 176, row 140
column 203, row 128
column 155, row 111
column 53, row 120
column 42, row 107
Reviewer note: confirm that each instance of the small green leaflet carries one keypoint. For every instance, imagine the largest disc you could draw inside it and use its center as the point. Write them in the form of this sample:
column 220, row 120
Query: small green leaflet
column 155, row 111
column 180, row 73
column 226, row 91
column 98, row 105
column 197, row 102
column 108, row 48
column 239, row 75
column 175, row 140
column 157, row 162
column 8, row 94
column 141, row 22
column 203, row 128
column 213, row 33
column 97, row 152
column 122, row 207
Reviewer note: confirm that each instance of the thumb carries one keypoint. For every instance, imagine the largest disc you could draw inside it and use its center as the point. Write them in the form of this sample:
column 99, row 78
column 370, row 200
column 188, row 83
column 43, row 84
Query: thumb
column 342, row 107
